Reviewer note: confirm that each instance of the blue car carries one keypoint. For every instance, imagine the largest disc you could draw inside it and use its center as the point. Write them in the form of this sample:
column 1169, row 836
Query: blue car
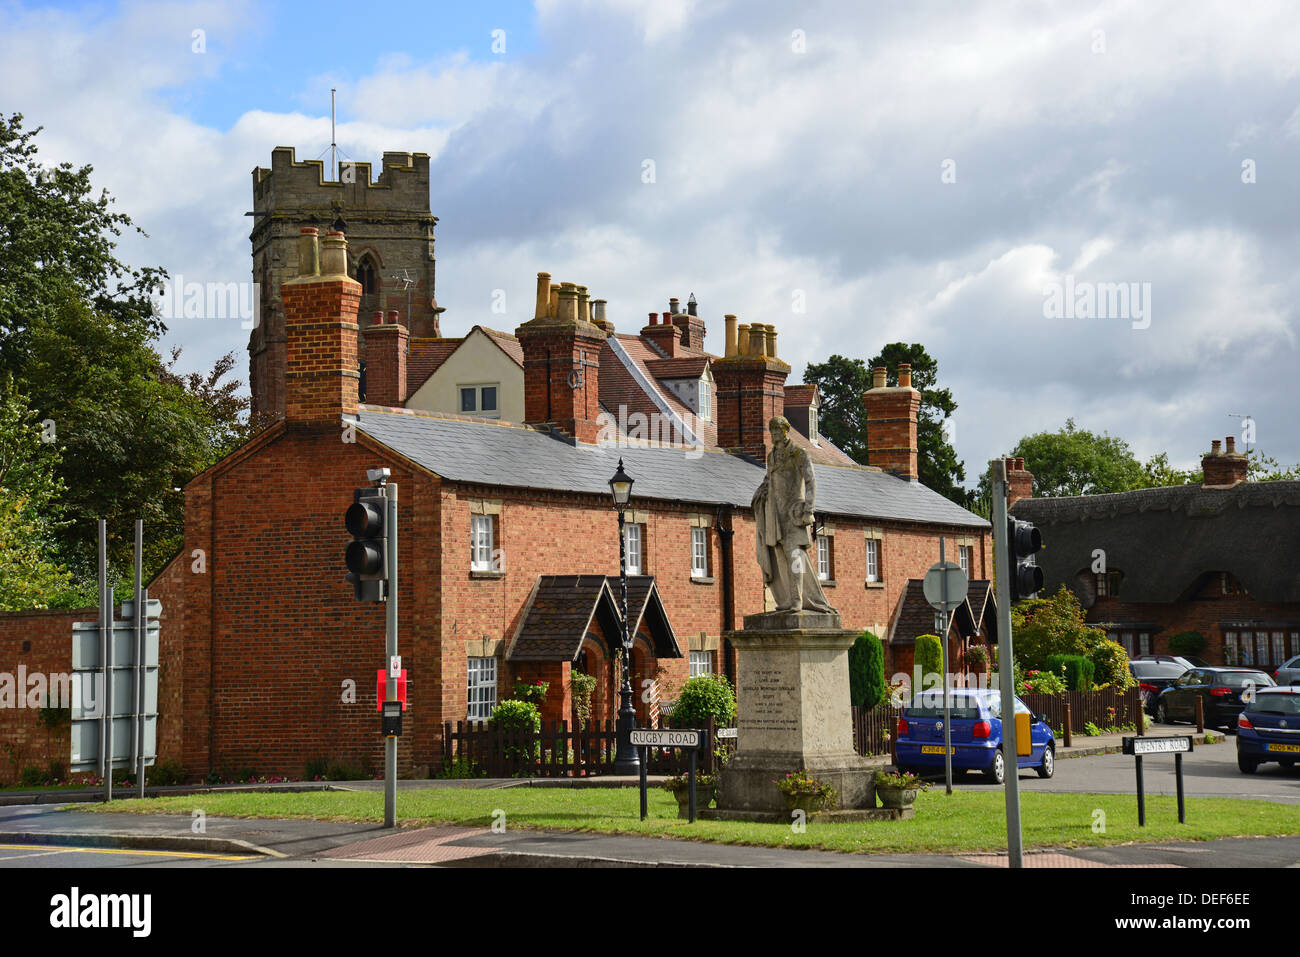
column 1268, row 729
column 976, row 735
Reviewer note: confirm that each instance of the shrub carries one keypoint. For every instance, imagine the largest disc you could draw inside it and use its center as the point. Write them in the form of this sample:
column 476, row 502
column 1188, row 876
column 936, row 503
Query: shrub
column 1040, row 682
column 32, row 776
column 1076, row 670
column 315, row 769
column 460, row 768
column 57, row 771
column 165, row 773
column 1110, row 666
column 581, row 687
column 702, row 697
column 336, row 771
column 1187, row 643
column 1052, row 626
column 518, row 716
column 866, row 671
column 929, row 655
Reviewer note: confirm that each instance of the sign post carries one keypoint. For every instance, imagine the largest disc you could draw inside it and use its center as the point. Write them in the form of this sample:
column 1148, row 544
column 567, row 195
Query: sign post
column 1176, row 745
column 1006, row 661
column 394, row 661
column 645, row 738
column 945, row 587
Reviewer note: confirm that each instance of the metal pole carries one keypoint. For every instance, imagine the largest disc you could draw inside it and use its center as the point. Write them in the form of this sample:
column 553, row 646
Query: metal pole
column 390, row 645
column 943, row 644
column 106, row 626
column 692, row 809
column 1178, row 773
column 1142, row 803
column 140, row 619
column 626, row 759
column 1006, row 660
column 644, row 762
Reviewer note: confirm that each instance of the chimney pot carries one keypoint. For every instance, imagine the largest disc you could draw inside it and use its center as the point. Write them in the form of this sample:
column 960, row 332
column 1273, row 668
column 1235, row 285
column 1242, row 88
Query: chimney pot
column 878, row 377
column 770, row 344
column 729, row 349
column 378, row 318
column 394, row 317
column 1216, row 447
column 904, row 375
column 742, row 339
column 691, row 306
column 543, row 308
column 673, row 306
column 308, row 251
column 654, row 319
column 1231, row 443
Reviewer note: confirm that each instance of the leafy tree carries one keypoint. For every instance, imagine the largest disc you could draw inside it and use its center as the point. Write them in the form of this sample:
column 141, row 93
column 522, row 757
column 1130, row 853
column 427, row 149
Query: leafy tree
column 58, row 240
column 841, row 382
column 1052, row 626
column 1074, row 461
column 1187, row 643
column 1110, row 666
column 929, row 655
column 29, row 512
column 702, row 697
column 866, row 671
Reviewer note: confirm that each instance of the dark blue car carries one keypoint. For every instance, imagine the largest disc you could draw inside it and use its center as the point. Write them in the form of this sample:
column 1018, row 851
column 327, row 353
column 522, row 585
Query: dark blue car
column 1268, row 729
column 976, row 735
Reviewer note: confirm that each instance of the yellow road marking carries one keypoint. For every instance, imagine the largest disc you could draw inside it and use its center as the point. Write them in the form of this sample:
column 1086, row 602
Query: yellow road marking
column 62, row 849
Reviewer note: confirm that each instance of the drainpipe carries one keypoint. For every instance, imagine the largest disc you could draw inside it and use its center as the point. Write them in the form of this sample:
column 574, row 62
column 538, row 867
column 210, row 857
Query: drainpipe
column 722, row 525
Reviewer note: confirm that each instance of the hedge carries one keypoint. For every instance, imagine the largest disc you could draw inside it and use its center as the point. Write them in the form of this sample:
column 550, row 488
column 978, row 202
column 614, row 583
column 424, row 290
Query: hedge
column 1078, row 670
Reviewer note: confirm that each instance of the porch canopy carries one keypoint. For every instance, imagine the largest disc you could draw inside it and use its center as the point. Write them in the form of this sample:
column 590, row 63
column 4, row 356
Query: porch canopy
column 562, row 609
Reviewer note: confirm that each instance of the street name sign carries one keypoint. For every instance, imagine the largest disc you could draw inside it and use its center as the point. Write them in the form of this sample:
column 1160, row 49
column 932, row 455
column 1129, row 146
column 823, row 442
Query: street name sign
column 646, row 738
column 1172, row 744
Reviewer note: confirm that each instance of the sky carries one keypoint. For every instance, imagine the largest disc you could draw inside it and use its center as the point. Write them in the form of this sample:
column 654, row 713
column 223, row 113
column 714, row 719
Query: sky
column 969, row 176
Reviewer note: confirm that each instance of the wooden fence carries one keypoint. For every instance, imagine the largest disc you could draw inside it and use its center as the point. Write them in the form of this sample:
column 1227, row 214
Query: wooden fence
column 874, row 729
column 1107, row 708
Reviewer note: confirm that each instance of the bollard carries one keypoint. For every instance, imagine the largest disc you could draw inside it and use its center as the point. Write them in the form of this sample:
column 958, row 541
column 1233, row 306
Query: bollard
column 1068, row 729
column 1142, row 718
column 1200, row 715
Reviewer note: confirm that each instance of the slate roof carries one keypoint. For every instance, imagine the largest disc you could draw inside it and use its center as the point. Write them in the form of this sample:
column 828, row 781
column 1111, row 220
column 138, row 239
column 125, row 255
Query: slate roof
column 513, row 456
column 562, row 608
column 1165, row 540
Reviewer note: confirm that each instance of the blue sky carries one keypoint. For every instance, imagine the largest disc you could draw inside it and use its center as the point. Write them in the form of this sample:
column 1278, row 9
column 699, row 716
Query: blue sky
column 921, row 171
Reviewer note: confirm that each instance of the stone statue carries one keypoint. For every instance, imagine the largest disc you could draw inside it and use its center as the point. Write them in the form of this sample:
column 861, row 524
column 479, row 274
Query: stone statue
column 783, row 515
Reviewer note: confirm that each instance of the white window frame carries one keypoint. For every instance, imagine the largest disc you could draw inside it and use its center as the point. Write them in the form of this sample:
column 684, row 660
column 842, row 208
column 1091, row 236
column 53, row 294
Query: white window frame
column 482, row 539
column 706, row 400
column 965, row 556
column 873, row 559
column 699, row 552
column 824, row 558
column 478, row 388
column 1230, row 648
column 701, row 663
column 481, row 675
column 1144, row 642
column 633, row 537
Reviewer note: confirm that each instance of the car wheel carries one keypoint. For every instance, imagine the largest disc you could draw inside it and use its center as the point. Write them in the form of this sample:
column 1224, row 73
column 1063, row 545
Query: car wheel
column 998, row 772
column 1162, row 714
column 1048, row 767
column 1287, row 763
column 1247, row 765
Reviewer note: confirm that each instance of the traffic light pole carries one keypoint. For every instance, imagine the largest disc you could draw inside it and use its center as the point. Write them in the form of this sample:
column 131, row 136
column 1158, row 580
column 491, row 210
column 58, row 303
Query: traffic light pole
column 390, row 642
column 1004, row 566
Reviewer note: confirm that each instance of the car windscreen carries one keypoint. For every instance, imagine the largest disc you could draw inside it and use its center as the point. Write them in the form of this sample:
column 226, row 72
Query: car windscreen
column 1275, row 704
column 929, row 704
column 1157, row 669
column 1239, row 679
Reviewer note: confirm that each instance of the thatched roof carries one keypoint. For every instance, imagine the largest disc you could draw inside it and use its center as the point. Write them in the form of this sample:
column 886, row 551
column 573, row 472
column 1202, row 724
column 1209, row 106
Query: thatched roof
column 1166, row 541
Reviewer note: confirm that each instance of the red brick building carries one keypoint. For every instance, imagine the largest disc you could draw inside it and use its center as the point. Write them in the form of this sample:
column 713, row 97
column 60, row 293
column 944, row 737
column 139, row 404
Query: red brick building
column 1221, row 558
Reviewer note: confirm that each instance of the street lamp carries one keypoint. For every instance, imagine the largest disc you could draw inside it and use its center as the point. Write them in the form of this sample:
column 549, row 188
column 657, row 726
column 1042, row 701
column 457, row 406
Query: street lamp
column 626, row 760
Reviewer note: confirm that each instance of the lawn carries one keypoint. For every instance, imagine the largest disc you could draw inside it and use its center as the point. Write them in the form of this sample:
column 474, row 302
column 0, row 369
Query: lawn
column 965, row 821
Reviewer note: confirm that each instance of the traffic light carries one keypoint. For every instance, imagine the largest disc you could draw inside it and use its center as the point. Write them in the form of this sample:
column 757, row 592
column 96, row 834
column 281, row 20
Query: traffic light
column 1025, row 577
column 367, row 553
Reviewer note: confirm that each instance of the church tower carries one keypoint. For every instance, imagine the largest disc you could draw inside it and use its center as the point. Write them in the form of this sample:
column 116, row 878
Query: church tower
column 389, row 230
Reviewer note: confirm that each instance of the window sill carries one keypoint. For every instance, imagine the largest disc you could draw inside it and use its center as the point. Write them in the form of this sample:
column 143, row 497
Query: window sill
column 827, row 582
column 875, row 584
column 702, row 580
column 486, row 575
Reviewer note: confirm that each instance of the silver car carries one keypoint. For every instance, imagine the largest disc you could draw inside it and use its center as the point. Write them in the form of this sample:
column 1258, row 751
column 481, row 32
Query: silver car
column 1289, row 673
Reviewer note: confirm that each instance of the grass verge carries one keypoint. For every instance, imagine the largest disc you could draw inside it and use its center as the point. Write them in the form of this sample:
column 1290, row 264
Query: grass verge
column 966, row 821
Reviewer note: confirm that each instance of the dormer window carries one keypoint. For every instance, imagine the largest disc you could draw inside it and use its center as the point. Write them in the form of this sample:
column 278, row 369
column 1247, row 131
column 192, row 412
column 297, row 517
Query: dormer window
column 706, row 399
column 812, row 423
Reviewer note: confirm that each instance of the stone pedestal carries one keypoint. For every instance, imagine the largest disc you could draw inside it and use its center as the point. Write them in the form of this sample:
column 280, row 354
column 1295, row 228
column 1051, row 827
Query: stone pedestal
column 792, row 683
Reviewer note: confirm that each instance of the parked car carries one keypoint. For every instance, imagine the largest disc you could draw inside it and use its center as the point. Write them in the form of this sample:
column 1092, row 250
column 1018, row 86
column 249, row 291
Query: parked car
column 1187, row 661
column 1154, row 677
column 1289, row 673
column 1223, row 692
column 976, row 735
column 1269, row 729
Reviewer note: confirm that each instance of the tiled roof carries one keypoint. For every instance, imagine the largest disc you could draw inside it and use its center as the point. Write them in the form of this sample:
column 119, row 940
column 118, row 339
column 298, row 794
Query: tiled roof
column 508, row 343
column 682, row 367
column 513, row 456
column 561, row 609
column 799, row 394
column 424, row 358
column 916, row 616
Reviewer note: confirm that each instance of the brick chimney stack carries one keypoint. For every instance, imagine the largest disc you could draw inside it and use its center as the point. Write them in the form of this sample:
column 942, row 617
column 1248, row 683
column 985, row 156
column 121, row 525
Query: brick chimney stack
column 1020, row 481
column 562, row 361
column 666, row 337
column 320, row 316
column 1224, row 469
column 386, row 351
column 751, row 392
column 891, row 423
column 689, row 326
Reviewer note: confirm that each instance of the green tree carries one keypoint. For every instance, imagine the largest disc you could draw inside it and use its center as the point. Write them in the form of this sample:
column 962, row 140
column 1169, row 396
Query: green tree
column 1052, row 626
column 866, row 671
column 702, row 697
column 929, row 655
column 1074, row 461
column 30, row 514
column 842, row 381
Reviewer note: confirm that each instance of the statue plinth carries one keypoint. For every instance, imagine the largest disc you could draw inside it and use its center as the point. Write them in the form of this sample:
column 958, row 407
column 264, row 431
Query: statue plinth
column 793, row 712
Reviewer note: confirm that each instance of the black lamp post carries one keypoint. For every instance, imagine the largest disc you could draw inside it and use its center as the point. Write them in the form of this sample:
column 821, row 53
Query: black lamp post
column 626, row 759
